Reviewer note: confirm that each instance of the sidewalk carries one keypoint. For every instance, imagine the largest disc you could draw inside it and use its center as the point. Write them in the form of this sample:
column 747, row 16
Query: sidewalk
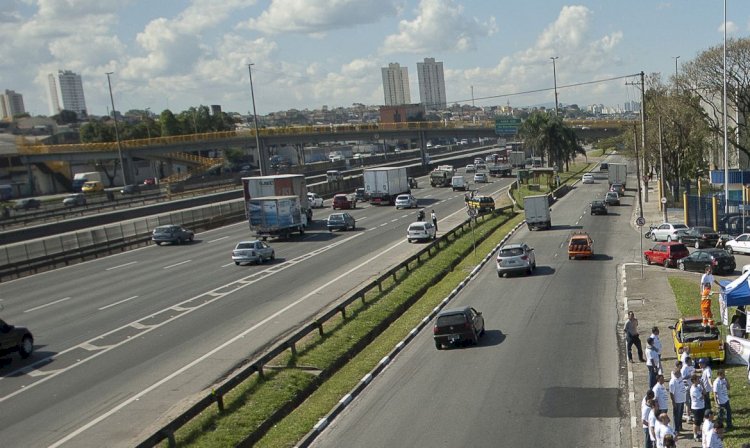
column 651, row 299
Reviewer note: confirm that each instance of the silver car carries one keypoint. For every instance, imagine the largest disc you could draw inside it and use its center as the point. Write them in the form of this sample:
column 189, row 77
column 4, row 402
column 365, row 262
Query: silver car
column 405, row 201
column 252, row 252
column 513, row 258
column 74, row 199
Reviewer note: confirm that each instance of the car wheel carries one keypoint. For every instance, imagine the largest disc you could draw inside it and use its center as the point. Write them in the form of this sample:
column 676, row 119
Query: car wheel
column 648, row 260
column 681, row 266
column 729, row 249
column 499, row 275
column 273, row 255
column 26, row 346
column 179, row 241
column 236, row 263
column 669, row 238
column 192, row 237
column 438, row 345
column 697, row 245
column 666, row 264
column 653, row 237
column 528, row 270
column 158, row 243
column 474, row 339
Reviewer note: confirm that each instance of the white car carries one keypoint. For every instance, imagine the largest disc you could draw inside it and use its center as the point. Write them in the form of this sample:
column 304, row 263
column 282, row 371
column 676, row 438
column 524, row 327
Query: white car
column 513, row 258
column 252, row 252
column 668, row 232
column 315, row 200
column 739, row 245
column 470, row 168
column 405, row 201
column 480, row 178
column 420, row 231
column 588, row 178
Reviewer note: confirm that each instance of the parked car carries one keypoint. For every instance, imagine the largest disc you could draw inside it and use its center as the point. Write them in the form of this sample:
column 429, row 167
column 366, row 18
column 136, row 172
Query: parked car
column 740, row 244
column 130, row 189
column 458, row 325
column 668, row 232
column 612, row 198
column 720, row 261
column 513, row 258
column 27, row 204
column 92, row 186
column 618, row 188
column 15, row 339
column 252, row 252
column 344, row 201
column 340, row 221
column 405, row 201
column 360, row 194
column 480, row 178
column 470, row 168
column 315, row 200
column 171, row 234
column 420, row 231
column 604, row 166
column 699, row 237
column 666, row 254
column 587, row 178
column 690, row 332
column 598, row 208
column 74, row 199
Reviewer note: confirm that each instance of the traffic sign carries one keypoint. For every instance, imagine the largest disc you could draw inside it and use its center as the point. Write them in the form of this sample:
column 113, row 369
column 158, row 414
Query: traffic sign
column 507, row 125
column 640, row 221
column 663, row 200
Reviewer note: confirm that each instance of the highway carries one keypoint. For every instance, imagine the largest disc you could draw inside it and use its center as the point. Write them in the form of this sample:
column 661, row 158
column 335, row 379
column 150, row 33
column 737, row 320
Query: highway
column 545, row 374
column 124, row 341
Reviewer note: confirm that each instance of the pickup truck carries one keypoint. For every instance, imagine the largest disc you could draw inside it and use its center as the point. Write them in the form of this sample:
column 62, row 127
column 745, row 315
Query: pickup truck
column 580, row 245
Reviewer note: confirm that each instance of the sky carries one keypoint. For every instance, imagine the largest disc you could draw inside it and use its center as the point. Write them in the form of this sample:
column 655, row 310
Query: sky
column 174, row 54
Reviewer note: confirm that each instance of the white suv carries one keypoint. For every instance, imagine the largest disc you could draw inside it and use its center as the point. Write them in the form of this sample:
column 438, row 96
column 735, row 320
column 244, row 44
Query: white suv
column 515, row 258
column 668, row 232
column 420, row 231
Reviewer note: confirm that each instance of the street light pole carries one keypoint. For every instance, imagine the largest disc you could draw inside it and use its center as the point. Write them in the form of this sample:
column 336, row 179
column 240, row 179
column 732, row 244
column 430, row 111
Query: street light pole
column 554, row 77
column 117, row 131
column 148, row 118
column 726, row 143
column 676, row 86
column 261, row 159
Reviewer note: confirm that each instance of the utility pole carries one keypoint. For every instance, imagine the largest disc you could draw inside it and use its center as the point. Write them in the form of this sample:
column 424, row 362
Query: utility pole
column 643, row 132
column 661, row 176
column 637, row 170
column 261, row 159
column 726, row 142
column 554, row 77
column 148, row 120
column 117, row 131
column 676, row 86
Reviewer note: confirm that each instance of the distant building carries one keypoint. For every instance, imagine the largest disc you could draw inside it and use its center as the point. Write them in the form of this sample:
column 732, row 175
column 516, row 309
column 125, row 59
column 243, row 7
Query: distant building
column 11, row 104
column 66, row 93
column 402, row 113
column 431, row 84
column 396, row 85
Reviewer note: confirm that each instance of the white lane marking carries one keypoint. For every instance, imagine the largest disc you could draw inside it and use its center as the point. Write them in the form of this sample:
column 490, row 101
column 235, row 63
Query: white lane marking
column 218, row 239
column 120, row 266
column 176, row 264
column 202, row 358
column 46, row 305
column 384, row 224
column 117, row 303
column 394, row 219
column 362, row 218
column 404, row 216
column 228, row 264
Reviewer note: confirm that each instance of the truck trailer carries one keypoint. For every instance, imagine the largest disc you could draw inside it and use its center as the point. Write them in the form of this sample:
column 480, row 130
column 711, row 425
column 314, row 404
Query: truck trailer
column 618, row 173
column 278, row 185
column 383, row 184
column 537, row 212
column 275, row 216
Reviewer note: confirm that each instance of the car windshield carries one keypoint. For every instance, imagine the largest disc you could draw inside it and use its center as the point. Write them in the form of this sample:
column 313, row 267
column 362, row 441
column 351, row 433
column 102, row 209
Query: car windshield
column 451, row 319
column 579, row 241
column 402, row 198
column 416, row 227
column 694, row 331
column 245, row 245
column 680, row 226
column 336, row 218
column 164, row 229
column 511, row 252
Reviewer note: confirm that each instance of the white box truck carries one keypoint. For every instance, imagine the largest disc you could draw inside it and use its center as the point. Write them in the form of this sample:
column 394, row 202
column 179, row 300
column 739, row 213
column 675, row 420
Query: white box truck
column 537, row 212
column 618, row 173
column 459, row 183
column 278, row 185
column 383, row 184
column 275, row 216
column 517, row 159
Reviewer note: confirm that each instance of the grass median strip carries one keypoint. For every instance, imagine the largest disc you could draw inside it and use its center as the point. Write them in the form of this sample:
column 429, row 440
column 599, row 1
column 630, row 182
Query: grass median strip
column 688, row 304
column 251, row 404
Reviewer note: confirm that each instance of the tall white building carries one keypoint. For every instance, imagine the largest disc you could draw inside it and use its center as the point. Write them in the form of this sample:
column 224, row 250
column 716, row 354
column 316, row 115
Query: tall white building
column 11, row 103
column 431, row 84
column 66, row 92
column 396, row 85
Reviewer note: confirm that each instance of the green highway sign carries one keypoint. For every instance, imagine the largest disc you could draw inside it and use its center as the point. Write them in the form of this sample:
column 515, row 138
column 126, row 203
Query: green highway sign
column 507, row 125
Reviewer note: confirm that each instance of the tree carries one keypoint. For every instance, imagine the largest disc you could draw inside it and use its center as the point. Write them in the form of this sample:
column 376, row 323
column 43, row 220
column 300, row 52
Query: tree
column 66, row 117
column 96, row 131
column 548, row 134
column 169, row 123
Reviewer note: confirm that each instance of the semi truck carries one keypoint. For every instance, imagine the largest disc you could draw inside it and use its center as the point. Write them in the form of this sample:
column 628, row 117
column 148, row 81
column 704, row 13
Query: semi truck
column 383, row 184
column 500, row 169
column 81, row 178
column 618, row 173
column 275, row 216
column 537, row 212
column 278, row 185
column 440, row 178
column 517, row 159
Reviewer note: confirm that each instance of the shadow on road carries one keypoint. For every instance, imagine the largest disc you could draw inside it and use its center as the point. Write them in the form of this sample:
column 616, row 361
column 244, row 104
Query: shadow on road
column 491, row 338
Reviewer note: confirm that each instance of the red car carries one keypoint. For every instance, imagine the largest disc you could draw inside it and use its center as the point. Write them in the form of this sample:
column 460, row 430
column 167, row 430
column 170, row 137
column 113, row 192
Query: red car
column 666, row 254
column 344, row 201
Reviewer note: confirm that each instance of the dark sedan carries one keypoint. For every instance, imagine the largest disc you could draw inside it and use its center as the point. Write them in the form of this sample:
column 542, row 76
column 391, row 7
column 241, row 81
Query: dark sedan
column 340, row 221
column 720, row 261
column 172, row 234
column 27, row 204
column 598, row 208
column 699, row 237
column 457, row 326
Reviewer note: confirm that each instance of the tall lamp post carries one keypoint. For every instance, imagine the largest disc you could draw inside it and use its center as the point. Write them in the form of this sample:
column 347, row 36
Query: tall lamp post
column 554, row 77
column 676, row 87
column 726, row 142
column 261, row 159
column 148, row 118
column 117, row 131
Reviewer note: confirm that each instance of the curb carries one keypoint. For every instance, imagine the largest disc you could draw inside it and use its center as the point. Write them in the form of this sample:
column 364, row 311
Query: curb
column 367, row 379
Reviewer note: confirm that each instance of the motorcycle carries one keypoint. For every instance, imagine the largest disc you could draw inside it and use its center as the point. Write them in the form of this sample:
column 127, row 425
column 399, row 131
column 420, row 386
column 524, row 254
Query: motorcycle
column 648, row 233
column 420, row 215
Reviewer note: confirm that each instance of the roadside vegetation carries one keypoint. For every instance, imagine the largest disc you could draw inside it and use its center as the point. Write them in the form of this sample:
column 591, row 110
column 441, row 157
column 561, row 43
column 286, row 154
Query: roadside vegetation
column 685, row 291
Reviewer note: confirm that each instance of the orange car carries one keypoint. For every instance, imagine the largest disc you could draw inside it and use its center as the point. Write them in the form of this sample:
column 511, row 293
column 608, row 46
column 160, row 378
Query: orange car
column 580, row 245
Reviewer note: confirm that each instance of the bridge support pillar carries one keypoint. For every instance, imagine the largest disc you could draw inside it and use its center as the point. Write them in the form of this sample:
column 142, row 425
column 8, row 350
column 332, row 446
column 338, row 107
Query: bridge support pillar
column 423, row 149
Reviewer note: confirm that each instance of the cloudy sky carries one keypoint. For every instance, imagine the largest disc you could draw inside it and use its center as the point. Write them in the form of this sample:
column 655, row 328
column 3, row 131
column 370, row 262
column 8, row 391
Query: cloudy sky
column 308, row 53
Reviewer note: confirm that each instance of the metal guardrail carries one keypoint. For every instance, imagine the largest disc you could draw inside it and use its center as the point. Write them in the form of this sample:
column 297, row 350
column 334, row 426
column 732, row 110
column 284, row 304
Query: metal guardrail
column 256, row 366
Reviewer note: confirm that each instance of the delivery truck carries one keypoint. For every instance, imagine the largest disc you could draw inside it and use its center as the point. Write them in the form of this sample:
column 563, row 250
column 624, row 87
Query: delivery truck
column 81, row 178
column 278, row 185
column 518, row 159
column 500, row 169
column 537, row 212
column 440, row 178
column 275, row 216
column 618, row 172
column 383, row 184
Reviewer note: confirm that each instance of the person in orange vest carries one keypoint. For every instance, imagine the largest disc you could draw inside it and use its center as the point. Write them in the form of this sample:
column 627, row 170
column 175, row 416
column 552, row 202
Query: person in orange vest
column 708, row 317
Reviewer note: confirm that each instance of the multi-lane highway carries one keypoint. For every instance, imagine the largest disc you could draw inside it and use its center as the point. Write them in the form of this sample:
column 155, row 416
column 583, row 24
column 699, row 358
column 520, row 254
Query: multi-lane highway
column 545, row 374
column 126, row 340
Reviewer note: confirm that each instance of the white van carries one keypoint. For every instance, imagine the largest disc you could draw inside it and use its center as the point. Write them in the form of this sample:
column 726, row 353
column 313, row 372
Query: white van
column 459, row 183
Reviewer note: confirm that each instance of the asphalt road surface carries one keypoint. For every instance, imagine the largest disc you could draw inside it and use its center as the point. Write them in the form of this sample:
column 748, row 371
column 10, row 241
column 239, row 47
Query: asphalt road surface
column 546, row 373
column 125, row 341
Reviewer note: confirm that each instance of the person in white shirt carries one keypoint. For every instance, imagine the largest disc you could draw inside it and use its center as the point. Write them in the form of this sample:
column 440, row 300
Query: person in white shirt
column 662, row 429
column 645, row 415
column 707, row 280
column 697, row 406
column 678, row 394
column 706, row 381
column 661, row 395
column 716, row 436
column 707, row 427
column 721, row 394
column 652, row 422
column 657, row 341
column 652, row 362
column 687, row 372
column 735, row 329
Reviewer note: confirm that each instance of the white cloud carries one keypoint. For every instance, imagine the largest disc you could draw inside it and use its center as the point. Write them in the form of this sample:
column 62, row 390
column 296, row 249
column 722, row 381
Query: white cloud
column 731, row 27
column 440, row 25
column 316, row 17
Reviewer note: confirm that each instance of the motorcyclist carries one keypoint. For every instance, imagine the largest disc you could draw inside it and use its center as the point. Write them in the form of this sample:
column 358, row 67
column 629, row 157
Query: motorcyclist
column 420, row 215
